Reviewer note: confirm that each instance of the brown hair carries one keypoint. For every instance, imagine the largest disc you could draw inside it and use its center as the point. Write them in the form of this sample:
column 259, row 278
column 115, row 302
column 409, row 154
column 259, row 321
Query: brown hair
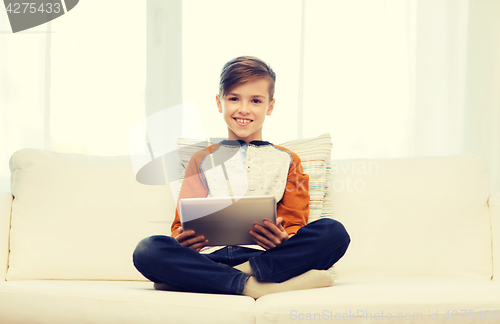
column 244, row 69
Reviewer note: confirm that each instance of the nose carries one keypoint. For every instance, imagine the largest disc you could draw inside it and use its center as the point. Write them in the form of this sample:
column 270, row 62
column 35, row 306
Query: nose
column 244, row 108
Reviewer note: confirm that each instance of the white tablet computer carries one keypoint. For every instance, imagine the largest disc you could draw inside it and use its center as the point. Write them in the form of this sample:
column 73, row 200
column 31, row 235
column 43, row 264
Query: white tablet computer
column 224, row 222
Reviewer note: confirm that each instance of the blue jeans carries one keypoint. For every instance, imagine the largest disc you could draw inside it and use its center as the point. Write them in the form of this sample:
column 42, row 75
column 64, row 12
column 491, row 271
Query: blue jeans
column 318, row 245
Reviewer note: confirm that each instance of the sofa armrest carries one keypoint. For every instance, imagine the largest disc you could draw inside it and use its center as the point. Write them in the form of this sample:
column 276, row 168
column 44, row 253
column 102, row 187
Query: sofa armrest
column 494, row 205
column 5, row 209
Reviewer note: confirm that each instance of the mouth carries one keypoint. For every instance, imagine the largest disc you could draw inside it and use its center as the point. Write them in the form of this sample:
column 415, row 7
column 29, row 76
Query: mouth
column 243, row 121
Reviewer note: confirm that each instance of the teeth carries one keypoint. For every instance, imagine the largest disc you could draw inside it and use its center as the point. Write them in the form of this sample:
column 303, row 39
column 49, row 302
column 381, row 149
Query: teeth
column 244, row 121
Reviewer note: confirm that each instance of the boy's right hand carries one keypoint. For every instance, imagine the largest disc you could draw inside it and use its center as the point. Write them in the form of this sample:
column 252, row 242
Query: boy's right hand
column 189, row 239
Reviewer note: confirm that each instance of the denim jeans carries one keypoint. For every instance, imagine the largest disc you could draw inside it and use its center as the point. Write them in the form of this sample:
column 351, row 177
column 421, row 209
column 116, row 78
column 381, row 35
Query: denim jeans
column 318, row 245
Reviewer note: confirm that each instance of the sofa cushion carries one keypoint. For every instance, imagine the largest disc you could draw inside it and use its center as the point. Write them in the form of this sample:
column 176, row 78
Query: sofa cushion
column 424, row 216
column 80, row 217
column 62, row 302
column 387, row 300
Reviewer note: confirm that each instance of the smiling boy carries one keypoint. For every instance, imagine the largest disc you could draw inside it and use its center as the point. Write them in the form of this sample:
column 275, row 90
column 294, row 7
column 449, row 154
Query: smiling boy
column 288, row 255
column 245, row 108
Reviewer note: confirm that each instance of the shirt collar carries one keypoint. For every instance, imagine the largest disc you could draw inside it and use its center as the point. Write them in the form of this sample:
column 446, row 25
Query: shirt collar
column 242, row 142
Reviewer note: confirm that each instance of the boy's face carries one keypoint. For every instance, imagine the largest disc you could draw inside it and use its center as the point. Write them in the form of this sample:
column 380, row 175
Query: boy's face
column 245, row 108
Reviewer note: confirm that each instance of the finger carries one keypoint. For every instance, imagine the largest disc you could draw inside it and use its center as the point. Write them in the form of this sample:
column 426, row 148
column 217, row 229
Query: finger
column 193, row 240
column 279, row 221
column 199, row 246
column 263, row 231
column 282, row 234
column 278, row 236
column 184, row 235
column 257, row 237
column 283, row 231
column 264, row 240
column 260, row 243
column 273, row 228
column 271, row 235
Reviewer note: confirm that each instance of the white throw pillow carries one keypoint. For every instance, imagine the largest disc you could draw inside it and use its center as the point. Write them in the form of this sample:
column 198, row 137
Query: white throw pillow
column 80, row 217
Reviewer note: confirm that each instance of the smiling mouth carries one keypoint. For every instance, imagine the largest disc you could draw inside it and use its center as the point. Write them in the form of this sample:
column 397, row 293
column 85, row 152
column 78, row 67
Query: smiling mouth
column 243, row 121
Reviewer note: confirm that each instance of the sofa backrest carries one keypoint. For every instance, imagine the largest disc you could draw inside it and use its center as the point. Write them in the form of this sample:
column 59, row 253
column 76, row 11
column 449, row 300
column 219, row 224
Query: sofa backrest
column 5, row 208
column 80, row 217
column 423, row 216
column 494, row 205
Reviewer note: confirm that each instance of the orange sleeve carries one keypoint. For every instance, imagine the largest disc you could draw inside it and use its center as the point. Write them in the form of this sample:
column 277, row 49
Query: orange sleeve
column 294, row 205
column 193, row 186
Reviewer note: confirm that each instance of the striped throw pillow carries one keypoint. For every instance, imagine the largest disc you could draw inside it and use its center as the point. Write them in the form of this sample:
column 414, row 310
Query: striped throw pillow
column 315, row 154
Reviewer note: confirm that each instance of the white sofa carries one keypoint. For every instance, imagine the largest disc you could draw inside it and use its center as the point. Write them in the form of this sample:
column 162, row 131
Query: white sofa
column 425, row 246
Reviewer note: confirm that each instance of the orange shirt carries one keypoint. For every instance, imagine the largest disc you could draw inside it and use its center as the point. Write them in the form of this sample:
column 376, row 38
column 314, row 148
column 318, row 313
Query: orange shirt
column 259, row 168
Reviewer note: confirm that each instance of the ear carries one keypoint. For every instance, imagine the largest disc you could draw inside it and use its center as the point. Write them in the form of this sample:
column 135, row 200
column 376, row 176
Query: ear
column 219, row 103
column 270, row 108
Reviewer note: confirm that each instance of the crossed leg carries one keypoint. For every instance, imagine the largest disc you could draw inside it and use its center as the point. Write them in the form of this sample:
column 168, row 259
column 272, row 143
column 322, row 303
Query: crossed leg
column 296, row 264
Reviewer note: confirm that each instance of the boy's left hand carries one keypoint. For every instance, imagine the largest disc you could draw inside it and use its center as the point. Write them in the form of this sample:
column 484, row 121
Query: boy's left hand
column 269, row 235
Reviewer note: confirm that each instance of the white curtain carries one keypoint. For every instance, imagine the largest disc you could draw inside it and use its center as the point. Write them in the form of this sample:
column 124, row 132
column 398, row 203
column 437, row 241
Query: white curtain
column 386, row 78
column 75, row 84
column 97, row 76
column 394, row 73
column 23, row 76
column 216, row 31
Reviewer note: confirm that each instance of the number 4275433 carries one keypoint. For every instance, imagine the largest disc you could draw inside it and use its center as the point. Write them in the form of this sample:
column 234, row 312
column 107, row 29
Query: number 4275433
column 25, row 7
column 470, row 315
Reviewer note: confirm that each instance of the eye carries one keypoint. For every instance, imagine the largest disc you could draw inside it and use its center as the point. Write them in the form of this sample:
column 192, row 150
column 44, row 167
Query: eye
column 257, row 101
column 233, row 99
